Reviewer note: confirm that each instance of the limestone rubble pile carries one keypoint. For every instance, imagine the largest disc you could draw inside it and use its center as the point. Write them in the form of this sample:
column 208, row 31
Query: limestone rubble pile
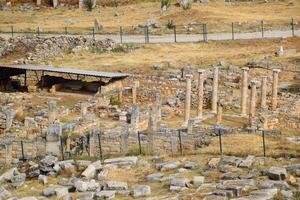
column 39, row 48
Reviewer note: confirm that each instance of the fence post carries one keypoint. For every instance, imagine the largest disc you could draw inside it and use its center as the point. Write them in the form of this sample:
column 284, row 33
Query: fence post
column 22, row 149
column 264, row 143
column 121, row 34
column 100, row 146
column 180, row 143
column 93, row 32
column 62, row 149
column 204, row 32
column 147, row 34
column 12, row 31
column 262, row 28
column 175, row 37
column 293, row 28
column 139, row 140
column 232, row 30
column 220, row 141
column 66, row 30
column 38, row 31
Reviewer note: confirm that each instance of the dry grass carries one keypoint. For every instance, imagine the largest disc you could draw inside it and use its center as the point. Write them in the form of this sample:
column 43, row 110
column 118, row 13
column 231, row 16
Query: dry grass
column 201, row 54
column 217, row 14
column 243, row 145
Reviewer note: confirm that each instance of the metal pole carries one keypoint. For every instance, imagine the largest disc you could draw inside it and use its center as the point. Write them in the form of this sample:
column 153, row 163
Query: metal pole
column 220, row 141
column 262, row 28
column 93, row 32
column 232, row 30
column 121, row 34
column 66, row 30
column 180, row 143
column 25, row 78
column 38, row 30
column 139, row 139
column 293, row 28
column 22, row 148
column 203, row 31
column 62, row 149
column 147, row 34
column 206, row 32
column 264, row 143
column 175, row 37
column 100, row 146
column 12, row 31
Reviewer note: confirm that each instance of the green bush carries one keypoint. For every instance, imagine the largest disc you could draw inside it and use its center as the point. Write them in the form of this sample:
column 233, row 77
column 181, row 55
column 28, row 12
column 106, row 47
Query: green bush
column 90, row 5
column 166, row 3
column 187, row 6
column 114, row 101
column 170, row 24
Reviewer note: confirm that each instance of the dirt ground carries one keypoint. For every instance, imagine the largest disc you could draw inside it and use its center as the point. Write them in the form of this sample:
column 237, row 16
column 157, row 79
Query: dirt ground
column 144, row 57
column 217, row 14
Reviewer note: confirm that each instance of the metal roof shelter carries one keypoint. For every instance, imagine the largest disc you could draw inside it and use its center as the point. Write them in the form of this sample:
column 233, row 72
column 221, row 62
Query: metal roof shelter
column 64, row 70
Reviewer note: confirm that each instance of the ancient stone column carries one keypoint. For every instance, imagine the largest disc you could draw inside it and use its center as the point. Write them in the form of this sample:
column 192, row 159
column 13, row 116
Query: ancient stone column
column 10, row 115
column 244, row 91
column 8, row 154
column 134, row 91
column 190, row 125
column 152, row 130
column 120, row 96
column 123, row 116
column 38, row 2
column 219, row 113
column 55, row 3
column 68, row 143
column 158, row 102
column 83, row 109
column 53, row 137
column 252, row 101
column 187, row 108
column 214, row 100
column 200, row 93
column 135, row 118
column 275, row 88
column 263, row 95
column 51, row 111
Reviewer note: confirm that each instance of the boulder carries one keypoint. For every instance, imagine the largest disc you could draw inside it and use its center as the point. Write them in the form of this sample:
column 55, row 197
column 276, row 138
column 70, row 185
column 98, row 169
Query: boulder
column 61, row 192
column 89, row 172
column 191, row 165
column 168, row 165
column 154, row 177
column 198, row 180
column 81, row 186
column 180, row 182
column 116, row 185
column 270, row 184
column 86, row 196
column 4, row 194
column 49, row 191
column 277, row 173
column 105, row 194
column 43, row 179
column 102, row 175
column 122, row 161
column 141, row 191
column 247, row 162
column 214, row 162
column 82, row 164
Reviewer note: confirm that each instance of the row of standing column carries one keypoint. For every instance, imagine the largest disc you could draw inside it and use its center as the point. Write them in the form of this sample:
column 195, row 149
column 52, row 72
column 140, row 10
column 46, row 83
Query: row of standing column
column 263, row 98
column 244, row 93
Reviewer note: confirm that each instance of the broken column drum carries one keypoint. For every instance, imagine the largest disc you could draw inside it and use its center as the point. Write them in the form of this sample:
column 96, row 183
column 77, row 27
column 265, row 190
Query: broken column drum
column 187, row 108
column 214, row 100
column 244, row 90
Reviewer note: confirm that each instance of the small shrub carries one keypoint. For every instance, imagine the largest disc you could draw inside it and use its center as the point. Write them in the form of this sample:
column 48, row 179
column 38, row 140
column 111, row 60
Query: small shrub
column 114, row 101
column 170, row 24
column 90, row 5
column 166, row 3
column 186, row 6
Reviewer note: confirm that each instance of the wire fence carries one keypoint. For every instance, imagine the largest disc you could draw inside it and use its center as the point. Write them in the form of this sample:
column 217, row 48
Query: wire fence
column 170, row 32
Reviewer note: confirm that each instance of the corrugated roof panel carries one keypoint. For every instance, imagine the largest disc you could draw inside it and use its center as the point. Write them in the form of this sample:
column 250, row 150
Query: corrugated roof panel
column 67, row 71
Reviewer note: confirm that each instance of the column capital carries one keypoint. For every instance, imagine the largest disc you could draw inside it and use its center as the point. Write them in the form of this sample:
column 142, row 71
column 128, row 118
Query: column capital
column 201, row 71
column 189, row 76
column 276, row 70
column 253, row 82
